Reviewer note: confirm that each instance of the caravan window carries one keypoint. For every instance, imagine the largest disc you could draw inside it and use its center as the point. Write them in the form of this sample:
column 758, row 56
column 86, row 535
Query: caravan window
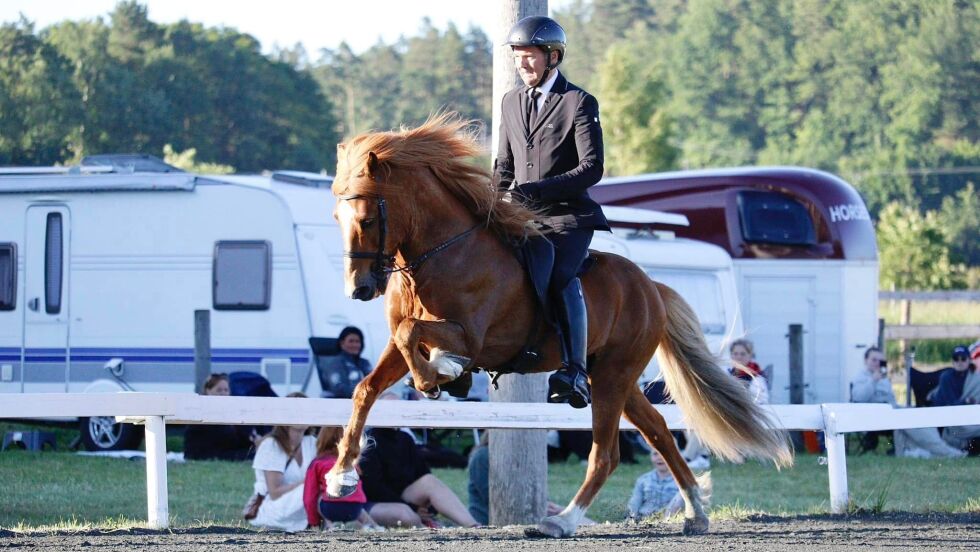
column 8, row 276
column 53, row 252
column 768, row 217
column 242, row 275
column 701, row 290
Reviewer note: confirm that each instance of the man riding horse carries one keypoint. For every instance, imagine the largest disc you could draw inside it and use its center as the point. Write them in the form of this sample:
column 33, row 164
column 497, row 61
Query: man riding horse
column 550, row 153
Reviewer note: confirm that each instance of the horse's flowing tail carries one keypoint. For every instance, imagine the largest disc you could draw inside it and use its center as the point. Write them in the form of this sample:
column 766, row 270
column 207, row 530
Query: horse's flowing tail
column 714, row 404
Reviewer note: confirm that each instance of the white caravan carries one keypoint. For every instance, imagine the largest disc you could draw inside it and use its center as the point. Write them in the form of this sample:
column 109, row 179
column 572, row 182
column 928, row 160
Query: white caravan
column 101, row 273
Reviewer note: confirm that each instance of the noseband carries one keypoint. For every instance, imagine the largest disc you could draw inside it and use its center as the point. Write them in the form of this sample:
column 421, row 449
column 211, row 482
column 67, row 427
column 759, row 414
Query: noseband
column 384, row 263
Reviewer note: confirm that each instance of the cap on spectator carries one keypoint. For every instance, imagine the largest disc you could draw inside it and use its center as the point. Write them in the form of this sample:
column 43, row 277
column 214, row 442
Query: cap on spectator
column 961, row 351
column 975, row 350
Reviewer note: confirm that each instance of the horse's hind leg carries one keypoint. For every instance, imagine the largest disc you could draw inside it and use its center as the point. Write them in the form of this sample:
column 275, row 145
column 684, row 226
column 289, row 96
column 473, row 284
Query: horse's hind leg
column 654, row 429
column 607, row 407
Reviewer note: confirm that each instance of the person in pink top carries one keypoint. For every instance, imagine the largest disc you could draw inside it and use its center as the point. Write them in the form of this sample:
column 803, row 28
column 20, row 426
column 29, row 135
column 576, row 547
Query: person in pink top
column 321, row 509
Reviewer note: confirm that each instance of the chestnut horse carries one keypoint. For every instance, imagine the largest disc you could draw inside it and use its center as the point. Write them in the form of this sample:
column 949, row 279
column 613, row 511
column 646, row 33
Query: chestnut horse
column 412, row 205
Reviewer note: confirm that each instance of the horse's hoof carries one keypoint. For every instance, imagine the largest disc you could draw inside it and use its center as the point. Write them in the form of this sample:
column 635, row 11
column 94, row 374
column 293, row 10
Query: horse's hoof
column 695, row 526
column 433, row 393
column 448, row 364
column 341, row 485
column 554, row 527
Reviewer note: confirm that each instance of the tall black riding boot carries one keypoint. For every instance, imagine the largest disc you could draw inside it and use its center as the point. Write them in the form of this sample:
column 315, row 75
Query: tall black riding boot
column 570, row 383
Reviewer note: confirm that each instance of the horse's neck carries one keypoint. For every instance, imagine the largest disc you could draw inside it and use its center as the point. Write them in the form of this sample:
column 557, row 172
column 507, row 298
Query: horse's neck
column 460, row 267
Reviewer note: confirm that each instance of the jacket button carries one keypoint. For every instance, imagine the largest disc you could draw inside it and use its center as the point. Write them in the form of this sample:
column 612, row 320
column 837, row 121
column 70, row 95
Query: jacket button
column 530, row 165
column 530, row 146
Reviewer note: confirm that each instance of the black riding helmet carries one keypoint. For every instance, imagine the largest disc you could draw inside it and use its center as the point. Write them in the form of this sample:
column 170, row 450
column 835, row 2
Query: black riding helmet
column 540, row 31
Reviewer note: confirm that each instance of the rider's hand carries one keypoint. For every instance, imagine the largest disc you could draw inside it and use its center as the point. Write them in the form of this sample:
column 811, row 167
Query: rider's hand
column 527, row 192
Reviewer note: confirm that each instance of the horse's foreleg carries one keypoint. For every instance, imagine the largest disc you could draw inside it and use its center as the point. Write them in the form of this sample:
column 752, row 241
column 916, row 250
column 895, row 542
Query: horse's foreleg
column 342, row 478
column 446, row 344
column 607, row 407
column 654, row 429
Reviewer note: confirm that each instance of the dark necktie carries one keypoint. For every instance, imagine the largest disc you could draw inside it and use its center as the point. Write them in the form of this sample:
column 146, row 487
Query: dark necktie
column 532, row 109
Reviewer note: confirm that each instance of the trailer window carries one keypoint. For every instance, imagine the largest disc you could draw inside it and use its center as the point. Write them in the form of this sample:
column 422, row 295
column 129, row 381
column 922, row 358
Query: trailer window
column 242, row 275
column 701, row 290
column 768, row 217
column 53, row 251
column 8, row 276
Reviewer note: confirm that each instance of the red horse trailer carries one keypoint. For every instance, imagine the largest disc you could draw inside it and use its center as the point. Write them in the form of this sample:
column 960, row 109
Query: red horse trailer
column 804, row 251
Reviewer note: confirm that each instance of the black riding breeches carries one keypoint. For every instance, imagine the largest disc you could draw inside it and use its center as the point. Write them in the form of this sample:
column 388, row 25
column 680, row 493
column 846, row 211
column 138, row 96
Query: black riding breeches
column 571, row 248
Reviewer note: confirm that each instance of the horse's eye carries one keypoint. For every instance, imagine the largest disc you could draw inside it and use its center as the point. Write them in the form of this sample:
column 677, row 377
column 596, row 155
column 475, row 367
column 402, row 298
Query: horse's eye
column 367, row 223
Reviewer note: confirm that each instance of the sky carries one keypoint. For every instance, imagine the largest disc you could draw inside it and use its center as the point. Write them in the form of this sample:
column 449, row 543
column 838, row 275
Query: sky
column 314, row 23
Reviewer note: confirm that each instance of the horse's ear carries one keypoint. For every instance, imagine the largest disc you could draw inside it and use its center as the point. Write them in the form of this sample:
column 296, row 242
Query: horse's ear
column 372, row 163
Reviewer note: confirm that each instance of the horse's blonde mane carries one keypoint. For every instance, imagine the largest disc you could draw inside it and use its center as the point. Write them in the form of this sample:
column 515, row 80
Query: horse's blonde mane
column 446, row 145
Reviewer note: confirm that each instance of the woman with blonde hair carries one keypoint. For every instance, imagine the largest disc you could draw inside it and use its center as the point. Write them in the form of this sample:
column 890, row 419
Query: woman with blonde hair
column 280, row 464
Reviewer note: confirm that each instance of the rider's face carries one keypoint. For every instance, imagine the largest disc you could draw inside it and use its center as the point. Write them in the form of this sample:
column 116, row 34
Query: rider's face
column 530, row 62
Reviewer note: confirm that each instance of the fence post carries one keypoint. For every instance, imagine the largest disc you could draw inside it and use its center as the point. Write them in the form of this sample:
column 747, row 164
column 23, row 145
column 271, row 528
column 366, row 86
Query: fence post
column 909, row 364
column 905, row 318
column 836, row 461
column 157, row 508
column 796, row 364
column 202, row 349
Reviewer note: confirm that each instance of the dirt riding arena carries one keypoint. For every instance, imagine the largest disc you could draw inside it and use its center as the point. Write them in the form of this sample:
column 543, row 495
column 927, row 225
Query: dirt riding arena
column 894, row 531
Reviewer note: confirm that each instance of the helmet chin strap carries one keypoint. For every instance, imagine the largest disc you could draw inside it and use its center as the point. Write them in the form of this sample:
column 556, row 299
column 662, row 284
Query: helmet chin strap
column 547, row 71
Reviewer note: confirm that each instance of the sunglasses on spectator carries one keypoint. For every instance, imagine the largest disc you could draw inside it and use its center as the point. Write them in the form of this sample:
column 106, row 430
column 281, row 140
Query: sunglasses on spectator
column 959, row 358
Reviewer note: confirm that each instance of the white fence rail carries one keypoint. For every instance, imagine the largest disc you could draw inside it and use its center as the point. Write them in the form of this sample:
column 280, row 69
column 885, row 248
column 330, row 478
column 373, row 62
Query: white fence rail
column 155, row 410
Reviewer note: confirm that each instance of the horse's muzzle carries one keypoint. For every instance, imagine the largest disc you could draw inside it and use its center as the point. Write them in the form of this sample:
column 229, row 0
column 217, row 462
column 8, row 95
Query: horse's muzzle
column 364, row 293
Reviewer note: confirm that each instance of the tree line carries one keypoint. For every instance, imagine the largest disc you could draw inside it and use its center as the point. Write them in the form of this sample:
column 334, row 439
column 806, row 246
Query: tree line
column 881, row 92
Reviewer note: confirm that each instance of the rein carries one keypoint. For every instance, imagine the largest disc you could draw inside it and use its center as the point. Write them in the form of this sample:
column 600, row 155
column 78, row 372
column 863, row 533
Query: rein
column 384, row 263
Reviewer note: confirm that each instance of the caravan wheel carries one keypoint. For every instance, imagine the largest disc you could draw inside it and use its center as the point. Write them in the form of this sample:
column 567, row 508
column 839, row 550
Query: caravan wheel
column 101, row 433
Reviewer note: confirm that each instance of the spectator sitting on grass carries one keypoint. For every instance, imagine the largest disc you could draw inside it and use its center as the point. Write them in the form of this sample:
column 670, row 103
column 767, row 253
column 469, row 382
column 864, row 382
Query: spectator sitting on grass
column 394, row 471
column 280, row 467
column 960, row 386
column 320, row 508
column 219, row 442
column 655, row 492
column 873, row 386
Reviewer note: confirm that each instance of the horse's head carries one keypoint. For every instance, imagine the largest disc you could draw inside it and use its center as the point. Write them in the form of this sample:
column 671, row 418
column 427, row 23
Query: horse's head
column 362, row 214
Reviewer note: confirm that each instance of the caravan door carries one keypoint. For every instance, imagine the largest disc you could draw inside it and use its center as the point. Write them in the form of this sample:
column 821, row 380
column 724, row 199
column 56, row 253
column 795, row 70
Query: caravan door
column 771, row 304
column 46, row 256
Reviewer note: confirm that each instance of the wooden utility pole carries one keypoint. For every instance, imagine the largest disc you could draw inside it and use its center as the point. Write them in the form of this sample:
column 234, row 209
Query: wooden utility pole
column 518, row 458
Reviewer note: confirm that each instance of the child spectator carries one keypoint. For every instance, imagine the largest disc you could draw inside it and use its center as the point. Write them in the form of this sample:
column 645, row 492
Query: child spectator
column 319, row 507
column 745, row 369
column 655, row 492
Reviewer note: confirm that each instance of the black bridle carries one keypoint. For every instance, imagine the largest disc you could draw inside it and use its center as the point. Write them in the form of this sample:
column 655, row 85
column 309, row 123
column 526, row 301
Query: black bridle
column 384, row 263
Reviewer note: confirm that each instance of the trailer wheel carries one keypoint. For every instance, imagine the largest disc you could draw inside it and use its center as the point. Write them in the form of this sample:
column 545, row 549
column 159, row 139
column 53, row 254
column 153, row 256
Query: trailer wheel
column 101, row 433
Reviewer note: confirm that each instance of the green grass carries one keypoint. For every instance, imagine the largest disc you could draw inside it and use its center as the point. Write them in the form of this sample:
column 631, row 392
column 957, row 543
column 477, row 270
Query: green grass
column 63, row 491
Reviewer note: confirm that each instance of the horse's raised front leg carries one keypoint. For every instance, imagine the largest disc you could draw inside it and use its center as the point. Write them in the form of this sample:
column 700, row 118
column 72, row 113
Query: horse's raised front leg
column 607, row 407
column 446, row 344
column 342, row 478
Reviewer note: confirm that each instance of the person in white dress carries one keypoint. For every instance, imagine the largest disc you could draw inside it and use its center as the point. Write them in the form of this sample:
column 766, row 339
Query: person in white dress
column 280, row 464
